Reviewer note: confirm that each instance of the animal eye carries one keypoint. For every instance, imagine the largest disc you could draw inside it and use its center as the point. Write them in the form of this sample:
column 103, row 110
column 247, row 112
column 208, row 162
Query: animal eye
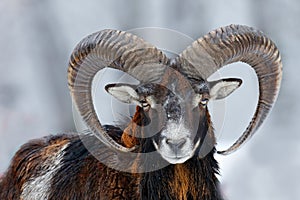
column 145, row 105
column 204, row 101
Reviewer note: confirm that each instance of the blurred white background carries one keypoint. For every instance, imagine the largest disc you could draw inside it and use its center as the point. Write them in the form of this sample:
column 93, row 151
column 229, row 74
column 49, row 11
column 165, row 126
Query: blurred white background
column 37, row 38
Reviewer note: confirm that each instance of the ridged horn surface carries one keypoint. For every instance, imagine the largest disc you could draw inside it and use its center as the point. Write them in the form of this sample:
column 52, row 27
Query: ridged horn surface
column 114, row 49
column 231, row 44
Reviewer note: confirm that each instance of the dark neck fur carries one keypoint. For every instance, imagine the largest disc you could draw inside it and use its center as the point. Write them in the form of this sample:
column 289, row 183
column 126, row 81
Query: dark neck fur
column 194, row 179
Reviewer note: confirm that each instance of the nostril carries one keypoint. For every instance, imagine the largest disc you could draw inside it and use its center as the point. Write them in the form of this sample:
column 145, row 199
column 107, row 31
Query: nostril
column 181, row 142
column 176, row 143
column 169, row 141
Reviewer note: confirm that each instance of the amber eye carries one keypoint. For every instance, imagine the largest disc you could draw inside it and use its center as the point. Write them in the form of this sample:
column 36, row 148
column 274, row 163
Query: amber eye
column 145, row 105
column 204, row 101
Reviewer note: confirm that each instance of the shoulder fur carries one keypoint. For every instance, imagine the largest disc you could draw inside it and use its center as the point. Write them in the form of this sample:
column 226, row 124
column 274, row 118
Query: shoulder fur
column 33, row 164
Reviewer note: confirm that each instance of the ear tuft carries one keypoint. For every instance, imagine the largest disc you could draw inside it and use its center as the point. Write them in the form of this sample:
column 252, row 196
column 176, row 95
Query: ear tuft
column 123, row 92
column 224, row 87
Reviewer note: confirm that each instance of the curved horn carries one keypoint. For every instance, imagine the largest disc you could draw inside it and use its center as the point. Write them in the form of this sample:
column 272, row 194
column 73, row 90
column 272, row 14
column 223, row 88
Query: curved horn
column 115, row 49
column 232, row 44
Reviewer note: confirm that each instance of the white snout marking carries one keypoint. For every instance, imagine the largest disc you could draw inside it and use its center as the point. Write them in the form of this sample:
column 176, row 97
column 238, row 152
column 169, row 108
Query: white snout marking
column 176, row 131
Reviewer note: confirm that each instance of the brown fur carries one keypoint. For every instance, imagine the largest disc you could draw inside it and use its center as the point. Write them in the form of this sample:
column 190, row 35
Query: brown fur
column 82, row 176
column 26, row 161
column 182, row 182
column 129, row 135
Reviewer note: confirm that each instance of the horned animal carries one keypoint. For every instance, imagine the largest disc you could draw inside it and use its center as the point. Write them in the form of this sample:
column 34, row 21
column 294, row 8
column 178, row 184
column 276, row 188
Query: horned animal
column 167, row 150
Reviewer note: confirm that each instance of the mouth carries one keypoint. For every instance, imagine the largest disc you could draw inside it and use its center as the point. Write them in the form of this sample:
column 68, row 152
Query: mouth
column 176, row 158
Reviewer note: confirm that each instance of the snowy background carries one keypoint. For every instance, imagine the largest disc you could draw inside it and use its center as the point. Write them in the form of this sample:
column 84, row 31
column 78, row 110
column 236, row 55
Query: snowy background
column 37, row 38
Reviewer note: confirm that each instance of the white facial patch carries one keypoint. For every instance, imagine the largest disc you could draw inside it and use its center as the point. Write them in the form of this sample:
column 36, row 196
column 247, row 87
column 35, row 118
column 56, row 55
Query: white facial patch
column 196, row 99
column 176, row 131
column 39, row 187
column 151, row 101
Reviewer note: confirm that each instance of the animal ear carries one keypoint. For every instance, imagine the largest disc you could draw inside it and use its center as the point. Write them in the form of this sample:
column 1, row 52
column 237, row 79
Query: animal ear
column 123, row 92
column 224, row 87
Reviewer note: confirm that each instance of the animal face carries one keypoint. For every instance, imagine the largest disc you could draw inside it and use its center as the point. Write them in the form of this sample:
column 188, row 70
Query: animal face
column 174, row 111
column 174, row 122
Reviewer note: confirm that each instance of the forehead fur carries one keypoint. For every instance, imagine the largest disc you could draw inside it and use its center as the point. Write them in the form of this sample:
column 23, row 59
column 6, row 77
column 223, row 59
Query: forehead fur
column 173, row 83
